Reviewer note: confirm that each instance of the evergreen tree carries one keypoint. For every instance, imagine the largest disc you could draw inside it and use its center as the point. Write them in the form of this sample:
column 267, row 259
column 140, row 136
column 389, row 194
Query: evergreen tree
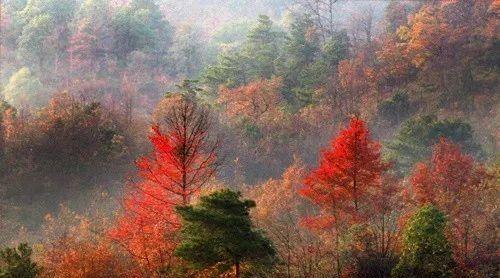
column 336, row 49
column 257, row 59
column 416, row 137
column 45, row 32
column 302, row 44
column 396, row 109
column 426, row 251
column 34, row 45
column 219, row 231
column 301, row 50
column 262, row 48
column 141, row 26
column 231, row 70
column 16, row 262
column 186, row 52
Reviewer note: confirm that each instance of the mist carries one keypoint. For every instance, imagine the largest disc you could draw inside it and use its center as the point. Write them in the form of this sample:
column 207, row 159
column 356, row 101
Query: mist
column 115, row 113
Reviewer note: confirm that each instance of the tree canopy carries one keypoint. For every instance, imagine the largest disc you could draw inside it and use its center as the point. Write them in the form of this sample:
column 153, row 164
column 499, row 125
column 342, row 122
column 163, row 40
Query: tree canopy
column 219, row 231
column 426, row 251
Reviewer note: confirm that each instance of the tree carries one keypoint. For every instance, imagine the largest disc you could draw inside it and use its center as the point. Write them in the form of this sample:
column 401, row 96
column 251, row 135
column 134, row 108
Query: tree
column 74, row 137
column 93, row 14
column 345, row 182
column 35, row 44
column 262, row 48
column 24, row 89
column 279, row 212
column 355, row 81
column 416, row 137
column 130, row 33
column 186, row 52
column 438, row 41
column 455, row 184
column 255, row 100
column 257, row 58
column 347, row 171
column 189, row 146
column 361, row 27
column 301, row 45
column 76, row 245
column 219, row 231
column 302, row 69
column 66, row 145
column 387, row 206
column 426, row 251
column 426, row 36
column 5, row 110
column 141, row 26
column 148, row 226
column 231, row 34
column 85, row 52
column 396, row 109
column 230, row 70
column 16, row 262
column 184, row 160
column 371, row 244
column 45, row 33
column 396, row 15
column 89, row 45
column 394, row 66
column 70, row 257
column 307, row 78
column 336, row 49
column 323, row 13
column 150, row 13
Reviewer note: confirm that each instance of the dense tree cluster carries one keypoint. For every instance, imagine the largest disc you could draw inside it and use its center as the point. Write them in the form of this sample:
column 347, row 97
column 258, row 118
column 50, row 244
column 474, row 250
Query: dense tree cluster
column 325, row 139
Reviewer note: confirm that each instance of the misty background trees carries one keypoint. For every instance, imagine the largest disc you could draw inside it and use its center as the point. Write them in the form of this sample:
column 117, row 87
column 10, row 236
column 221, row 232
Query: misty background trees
column 342, row 120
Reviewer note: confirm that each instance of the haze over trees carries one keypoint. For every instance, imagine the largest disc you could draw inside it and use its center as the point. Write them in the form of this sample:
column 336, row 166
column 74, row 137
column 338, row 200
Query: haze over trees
column 204, row 138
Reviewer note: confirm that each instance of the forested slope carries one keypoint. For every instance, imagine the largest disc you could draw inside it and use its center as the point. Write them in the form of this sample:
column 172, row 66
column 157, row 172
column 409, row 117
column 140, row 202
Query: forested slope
column 355, row 127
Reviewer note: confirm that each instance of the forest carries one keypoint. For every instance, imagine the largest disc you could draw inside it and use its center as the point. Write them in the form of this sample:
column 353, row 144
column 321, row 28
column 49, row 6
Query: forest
column 249, row 138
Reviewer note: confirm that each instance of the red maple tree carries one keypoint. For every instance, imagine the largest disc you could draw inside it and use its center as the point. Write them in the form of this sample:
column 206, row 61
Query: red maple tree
column 347, row 171
column 454, row 183
column 184, row 159
column 345, row 182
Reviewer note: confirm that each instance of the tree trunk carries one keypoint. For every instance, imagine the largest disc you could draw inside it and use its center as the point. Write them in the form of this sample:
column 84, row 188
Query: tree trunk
column 355, row 194
column 237, row 269
column 337, row 255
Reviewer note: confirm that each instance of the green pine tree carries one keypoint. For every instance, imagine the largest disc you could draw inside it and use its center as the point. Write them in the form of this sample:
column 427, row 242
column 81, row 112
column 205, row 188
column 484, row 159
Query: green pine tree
column 17, row 263
column 219, row 231
column 426, row 251
column 416, row 137
column 262, row 48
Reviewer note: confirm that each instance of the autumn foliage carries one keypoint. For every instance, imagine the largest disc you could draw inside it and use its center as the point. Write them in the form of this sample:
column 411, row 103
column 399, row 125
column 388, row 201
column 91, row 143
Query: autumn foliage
column 356, row 82
column 91, row 124
column 457, row 185
column 254, row 100
column 280, row 211
column 72, row 258
column 182, row 162
column 347, row 174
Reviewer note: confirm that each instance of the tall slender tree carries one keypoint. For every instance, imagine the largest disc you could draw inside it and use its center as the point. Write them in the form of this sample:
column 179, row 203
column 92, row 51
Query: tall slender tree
column 347, row 171
column 184, row 159
column 262, row 48
column 345, row 181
